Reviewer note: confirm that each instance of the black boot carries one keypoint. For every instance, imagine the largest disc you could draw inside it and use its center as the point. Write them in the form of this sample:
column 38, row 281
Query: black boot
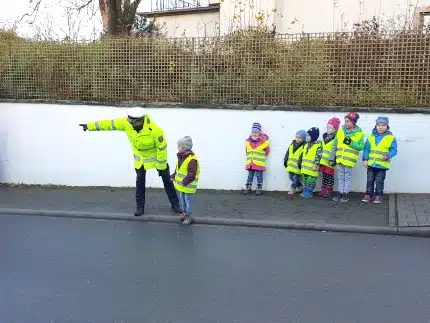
column 139, row 212
column 259, row 190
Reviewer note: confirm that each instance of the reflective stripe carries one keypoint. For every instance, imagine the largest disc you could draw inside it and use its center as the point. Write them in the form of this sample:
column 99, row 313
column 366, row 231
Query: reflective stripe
column 256, row 152
column 295, row 160
column 137, row 158
column 308, row 168
column 191, row 185
column 97, row 125
column 348, row 158
column 150, row 160
column 377, row 152
column 348, row 150
column 256, row 159
column 162, row 148
column 161, row 161
column 112, row 122
column 325, row 158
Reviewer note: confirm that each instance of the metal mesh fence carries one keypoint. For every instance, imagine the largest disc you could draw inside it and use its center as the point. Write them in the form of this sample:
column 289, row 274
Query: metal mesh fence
column 356, row 69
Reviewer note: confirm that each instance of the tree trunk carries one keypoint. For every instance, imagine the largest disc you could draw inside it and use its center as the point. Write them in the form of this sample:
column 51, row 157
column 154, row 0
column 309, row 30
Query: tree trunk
column 113, row 13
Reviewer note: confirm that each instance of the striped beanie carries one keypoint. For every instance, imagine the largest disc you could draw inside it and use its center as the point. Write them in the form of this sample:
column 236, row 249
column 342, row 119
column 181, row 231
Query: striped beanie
column 256, row 127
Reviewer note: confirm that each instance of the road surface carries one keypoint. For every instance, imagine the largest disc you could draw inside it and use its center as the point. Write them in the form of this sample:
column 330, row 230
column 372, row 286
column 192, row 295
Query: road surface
column 76, row 270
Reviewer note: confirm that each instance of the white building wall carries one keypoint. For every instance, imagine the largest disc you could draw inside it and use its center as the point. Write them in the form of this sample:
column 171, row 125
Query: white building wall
column 43, row 144
column 291, row 16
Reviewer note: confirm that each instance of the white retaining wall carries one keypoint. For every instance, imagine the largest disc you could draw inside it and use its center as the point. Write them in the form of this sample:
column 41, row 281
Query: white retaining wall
column 43, row 144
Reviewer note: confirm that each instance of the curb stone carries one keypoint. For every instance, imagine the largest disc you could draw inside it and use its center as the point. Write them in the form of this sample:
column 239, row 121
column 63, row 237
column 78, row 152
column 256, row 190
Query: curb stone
column 392, row 211
column 419, row 232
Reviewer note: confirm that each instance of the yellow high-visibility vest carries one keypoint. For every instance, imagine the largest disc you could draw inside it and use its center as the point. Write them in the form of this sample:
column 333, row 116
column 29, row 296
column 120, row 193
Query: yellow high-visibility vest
column 326, row 149
column 181, row 173
column 345, row 155
column 149, row 145
column 377, row 152
column 256, row 155
column 293, row 160
column 308, row 161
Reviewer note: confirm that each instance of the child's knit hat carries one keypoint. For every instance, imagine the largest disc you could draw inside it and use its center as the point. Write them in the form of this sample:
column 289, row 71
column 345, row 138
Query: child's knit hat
column 301, row 134
column 256, row 127
column 314, row 133
column 382, row 119
column 353, row 116
column 335, row 122
column 186, row 143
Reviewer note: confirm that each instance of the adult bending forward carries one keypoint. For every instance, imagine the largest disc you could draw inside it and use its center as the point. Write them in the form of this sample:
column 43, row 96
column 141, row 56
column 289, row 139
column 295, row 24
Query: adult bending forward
column 149, row 147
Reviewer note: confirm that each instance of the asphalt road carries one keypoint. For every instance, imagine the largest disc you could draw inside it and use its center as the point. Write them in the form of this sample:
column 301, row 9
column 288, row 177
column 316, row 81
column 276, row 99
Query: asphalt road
column 75, row 270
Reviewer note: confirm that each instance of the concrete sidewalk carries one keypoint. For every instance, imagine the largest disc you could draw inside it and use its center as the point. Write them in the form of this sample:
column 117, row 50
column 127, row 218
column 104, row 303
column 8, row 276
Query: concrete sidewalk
column 402, row 214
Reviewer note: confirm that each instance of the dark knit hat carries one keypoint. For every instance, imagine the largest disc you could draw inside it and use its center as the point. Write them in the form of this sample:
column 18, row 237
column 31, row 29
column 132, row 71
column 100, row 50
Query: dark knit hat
column 353, row 116
column 256, row 127
column 314, row 133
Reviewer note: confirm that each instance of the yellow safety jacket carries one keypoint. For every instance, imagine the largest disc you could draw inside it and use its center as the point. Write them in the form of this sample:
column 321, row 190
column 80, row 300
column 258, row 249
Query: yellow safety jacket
column 345, row 155
column 149, row 145
column 325, row 157
column 377, row 152
column 308, row 161
column 257, row 155
column 293, row 160
column 181, row 173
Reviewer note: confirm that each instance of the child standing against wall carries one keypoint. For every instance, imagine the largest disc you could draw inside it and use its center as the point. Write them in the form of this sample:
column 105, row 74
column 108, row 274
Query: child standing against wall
column 380, row 148
column 293, row 161
column 311, row 162
column 186, row 177
column 347, row 145
column 325, row 168
column 257, row 149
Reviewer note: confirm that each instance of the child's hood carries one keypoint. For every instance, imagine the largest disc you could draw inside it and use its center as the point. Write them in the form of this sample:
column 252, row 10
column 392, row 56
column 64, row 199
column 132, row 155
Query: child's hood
column 263, row 137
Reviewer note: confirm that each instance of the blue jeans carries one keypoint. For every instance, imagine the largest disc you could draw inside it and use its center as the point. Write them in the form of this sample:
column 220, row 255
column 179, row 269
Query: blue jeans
column 257, row 173
column 186, row 202
column 375, row 180
column 295, row 180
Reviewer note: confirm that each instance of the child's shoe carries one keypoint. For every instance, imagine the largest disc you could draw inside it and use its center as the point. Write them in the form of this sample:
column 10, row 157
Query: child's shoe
column 182, row 216
column 344, row 198
column 366, row 198
column 247, row 189
column 259, row 190
column 291, row 191
column 337, row 197
column 378, row 199
column 323, row 191
column 307, row 192
column 188, row 220
column 299, row 189
column 327, row 193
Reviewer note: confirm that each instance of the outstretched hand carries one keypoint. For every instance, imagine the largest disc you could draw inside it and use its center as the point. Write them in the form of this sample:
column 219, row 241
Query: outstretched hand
column 84, row 126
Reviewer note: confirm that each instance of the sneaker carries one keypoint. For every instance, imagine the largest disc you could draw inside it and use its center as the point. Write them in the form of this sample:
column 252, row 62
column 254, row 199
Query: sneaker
column 366, row 198
column 291, row 191
column 344, row 198
column 307, row 193
column 247, row 189
column 259, row 190
column 378, row 199
column 182, row 216
column 299, row 189
column 188, row 220
column 337, row 197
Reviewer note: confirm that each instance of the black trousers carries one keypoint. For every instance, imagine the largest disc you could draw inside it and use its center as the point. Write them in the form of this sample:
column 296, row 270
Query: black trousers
column 141, row 188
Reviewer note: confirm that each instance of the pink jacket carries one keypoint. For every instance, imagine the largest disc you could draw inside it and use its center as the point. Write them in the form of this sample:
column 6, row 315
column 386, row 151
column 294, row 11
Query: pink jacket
column 255, row 144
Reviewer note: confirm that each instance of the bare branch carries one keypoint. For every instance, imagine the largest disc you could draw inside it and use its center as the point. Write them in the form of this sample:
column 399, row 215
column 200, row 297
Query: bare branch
column 34, row 12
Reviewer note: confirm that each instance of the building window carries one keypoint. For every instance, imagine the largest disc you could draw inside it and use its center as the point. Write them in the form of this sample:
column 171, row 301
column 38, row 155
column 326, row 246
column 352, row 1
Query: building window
column 421, row 18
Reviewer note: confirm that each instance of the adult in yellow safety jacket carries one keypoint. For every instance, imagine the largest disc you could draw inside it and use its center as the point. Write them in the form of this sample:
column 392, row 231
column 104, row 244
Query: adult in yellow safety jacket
column 149, row 148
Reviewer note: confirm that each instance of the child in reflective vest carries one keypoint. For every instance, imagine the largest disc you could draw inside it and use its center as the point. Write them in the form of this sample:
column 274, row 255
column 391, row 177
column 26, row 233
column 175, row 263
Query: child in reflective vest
column 186, row 177
column 326, row 169
column 312, row 153
column 380, row 148
column 293, row 162
column 257, row 149
column 348, row 143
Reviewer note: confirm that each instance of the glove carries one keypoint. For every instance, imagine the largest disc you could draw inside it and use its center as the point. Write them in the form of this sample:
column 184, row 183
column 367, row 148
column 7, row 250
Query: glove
column 285, row 163
column 84, row 126
column 347, row 141
column 332, row 163
column 160, row 172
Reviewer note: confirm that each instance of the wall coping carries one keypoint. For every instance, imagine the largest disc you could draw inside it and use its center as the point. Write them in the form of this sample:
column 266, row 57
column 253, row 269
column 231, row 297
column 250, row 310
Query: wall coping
column 247, row 107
